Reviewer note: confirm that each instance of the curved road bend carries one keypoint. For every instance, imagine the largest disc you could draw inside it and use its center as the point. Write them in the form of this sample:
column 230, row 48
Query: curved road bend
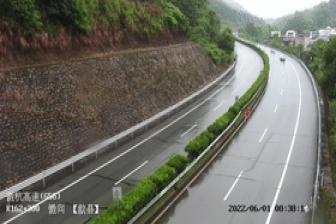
column 272, row 161
column 128, row 164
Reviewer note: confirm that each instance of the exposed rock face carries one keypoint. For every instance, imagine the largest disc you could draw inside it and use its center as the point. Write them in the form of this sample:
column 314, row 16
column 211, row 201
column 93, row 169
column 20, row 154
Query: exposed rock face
column 49, row 113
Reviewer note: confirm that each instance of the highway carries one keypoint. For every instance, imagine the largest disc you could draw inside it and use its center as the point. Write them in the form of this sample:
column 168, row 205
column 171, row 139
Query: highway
column 270, row 164
column 125, row 166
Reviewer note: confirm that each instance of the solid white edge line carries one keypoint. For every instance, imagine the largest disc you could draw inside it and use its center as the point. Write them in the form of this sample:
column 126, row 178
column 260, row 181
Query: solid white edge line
column 132, row 172
column 269, row 217
column 233, row 185
column 263, row 135
column 189, row 130
column 276, row 108
column 112, row 160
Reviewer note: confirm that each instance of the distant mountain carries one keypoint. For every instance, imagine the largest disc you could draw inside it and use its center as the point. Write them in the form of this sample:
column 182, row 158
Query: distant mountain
column 318, row 17
column 233, row 15
column 235, row 5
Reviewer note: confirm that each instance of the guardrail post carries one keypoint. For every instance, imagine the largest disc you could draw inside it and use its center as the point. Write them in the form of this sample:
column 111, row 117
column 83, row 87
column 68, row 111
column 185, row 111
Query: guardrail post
column 43, row 182
column 73, row 167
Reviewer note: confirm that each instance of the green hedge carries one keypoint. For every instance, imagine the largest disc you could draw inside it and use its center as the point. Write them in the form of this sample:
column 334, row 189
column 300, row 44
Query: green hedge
column 201, row 142
column 163, row 176
column 147, row 189
column 178, row 162
column 130, row 205
column 143, row 192
column 221, row 124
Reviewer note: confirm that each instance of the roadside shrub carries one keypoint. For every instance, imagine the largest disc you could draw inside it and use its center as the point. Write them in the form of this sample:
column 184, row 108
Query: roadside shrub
column 209, row 135
column 163, row 176
column 178, row 162
column 136, row 199
column 220, row 124
column 234, row 110
column 198, row 144
column 218, row 55
column 131, row 203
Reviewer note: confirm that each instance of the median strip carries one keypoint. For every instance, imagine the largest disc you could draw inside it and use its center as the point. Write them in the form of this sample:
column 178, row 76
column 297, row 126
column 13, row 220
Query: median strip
column 150, row 196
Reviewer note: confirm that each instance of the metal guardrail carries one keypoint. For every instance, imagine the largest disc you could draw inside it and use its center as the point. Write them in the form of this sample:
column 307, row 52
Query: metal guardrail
column 118, row 139
column 320, row 103
column 259, row 93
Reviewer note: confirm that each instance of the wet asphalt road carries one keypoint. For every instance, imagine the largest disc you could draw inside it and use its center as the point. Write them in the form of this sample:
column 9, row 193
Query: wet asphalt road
column 271, row 161
column 140, row 157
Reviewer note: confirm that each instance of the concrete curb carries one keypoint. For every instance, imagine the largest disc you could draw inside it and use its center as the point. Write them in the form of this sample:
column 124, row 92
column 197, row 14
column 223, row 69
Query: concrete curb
column 119, row 139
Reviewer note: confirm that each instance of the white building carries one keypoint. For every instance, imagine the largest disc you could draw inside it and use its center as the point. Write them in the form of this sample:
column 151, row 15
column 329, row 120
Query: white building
column 276, row 33
column 314, row 35
column 291, row 34
column 327, row 33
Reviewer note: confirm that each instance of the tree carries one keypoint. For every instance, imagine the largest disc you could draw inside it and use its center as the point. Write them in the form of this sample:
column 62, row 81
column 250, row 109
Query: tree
column 330, row 68
column 23, row 12
column 75, row 14
column 192, row 9
column 226, row 40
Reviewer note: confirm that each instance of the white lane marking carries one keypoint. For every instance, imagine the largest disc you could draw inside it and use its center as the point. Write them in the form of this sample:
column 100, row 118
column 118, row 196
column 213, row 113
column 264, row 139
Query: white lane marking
column 263, row 135
column 276, row 108
column 290, row 150
column 128, row 175
column 112, row 160
column 281, row 92
column 219, row 106
column 189, row 130
column 233, row 185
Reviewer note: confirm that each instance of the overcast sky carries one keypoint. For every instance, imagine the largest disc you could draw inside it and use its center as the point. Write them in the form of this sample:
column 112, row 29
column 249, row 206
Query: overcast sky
column 276, row 8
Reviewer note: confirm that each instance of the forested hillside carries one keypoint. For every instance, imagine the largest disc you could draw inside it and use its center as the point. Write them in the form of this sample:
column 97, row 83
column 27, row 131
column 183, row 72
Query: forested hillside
column 34, row 29
column 320, row 16
column 232, row 16
column 322, row 62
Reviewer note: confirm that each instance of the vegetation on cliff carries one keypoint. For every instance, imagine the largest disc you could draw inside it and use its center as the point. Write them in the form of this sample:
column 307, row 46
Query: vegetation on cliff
column 322, row 61
column 30, row 26
column 234, row 16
